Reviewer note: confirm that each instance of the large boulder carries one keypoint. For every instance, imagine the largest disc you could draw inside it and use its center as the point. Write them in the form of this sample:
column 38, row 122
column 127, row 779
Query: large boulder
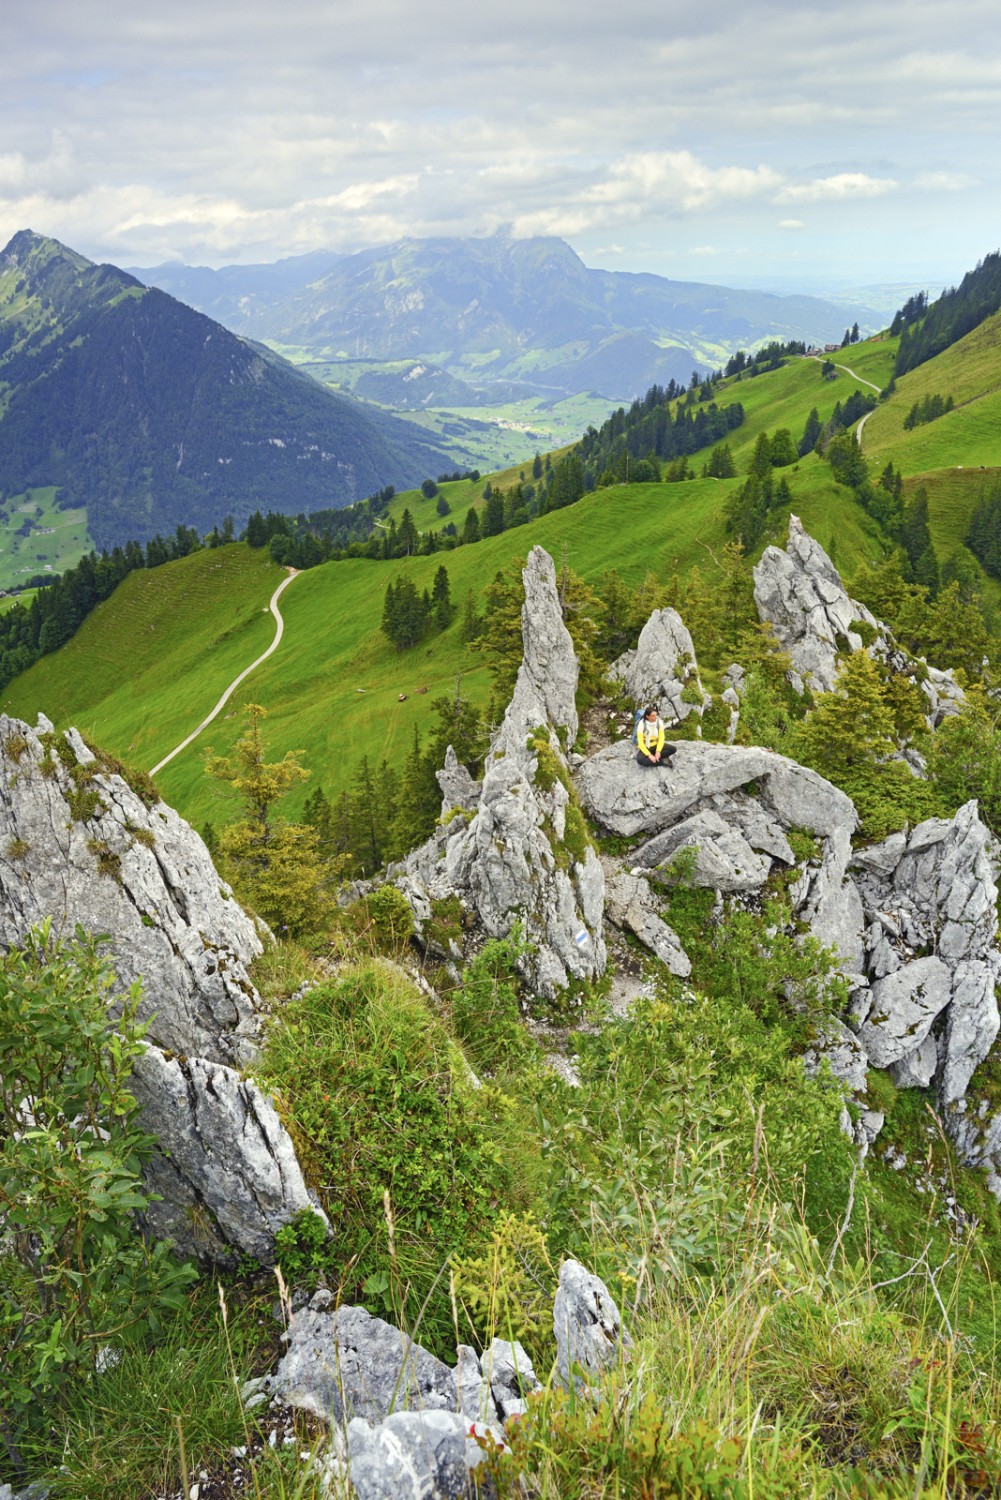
column 629, row 799
column 520, row 852
column 799, row 593
column 663, row 669
column 82, row 845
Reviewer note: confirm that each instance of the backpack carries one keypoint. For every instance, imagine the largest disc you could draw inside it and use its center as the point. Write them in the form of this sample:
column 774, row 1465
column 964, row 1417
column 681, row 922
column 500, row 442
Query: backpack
column 638, row 718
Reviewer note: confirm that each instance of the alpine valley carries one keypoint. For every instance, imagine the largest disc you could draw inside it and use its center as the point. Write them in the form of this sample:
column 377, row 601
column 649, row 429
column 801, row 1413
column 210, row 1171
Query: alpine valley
column 470, row 1107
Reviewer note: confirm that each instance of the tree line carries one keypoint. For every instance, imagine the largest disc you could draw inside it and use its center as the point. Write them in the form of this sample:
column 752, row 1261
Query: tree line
column 957, row 312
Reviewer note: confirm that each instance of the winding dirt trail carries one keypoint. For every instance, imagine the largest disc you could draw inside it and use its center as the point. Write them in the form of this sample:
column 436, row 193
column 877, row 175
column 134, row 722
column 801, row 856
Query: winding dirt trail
column 862, row 381
column 279, row 632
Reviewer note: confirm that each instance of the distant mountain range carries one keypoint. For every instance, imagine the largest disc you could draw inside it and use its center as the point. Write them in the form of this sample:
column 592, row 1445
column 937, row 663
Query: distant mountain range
column 500, row 312
column 151, row 414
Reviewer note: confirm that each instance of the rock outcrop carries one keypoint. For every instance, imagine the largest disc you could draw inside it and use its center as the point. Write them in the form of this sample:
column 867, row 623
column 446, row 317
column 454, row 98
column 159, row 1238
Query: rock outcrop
column 412, row 1422
column 631, row 904
column 734, row 808
column 80, row 845
column 931, row 951
column 520, row 852
column 800, row 594
column 663, row 669
column 588, row 1327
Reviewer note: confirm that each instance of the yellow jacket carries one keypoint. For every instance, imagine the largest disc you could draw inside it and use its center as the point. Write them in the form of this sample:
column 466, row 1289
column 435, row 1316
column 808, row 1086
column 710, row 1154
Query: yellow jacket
column 650, row 737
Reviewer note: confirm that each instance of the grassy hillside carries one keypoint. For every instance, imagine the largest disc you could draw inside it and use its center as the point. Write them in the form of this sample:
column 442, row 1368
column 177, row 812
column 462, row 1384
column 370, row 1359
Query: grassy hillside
column 166, row 643
column 152, row 661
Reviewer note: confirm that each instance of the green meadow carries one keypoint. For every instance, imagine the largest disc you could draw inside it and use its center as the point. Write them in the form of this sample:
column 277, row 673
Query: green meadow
column 37, row 536
column 153, row 660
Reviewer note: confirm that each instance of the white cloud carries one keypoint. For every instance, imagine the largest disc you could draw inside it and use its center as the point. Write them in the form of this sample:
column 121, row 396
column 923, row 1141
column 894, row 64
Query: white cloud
column 945, row 182
column 791, row 224
column 245, row 127
column 837, row 188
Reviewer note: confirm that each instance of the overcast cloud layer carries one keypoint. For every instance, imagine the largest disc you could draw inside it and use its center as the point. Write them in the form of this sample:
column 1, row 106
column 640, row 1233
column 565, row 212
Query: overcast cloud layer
column 783, row 142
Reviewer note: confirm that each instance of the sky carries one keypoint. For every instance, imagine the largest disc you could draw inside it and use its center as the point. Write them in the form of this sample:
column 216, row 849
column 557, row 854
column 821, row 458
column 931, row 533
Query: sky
column 791, row 145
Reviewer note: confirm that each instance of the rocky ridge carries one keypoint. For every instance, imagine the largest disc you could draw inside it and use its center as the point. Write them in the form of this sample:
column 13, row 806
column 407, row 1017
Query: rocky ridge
column 911, row 921
column 80, row 845
column 516, row 849
column 799, row 593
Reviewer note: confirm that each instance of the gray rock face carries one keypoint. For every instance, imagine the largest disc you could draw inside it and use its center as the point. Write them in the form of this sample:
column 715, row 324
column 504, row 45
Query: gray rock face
column 588, row 1328
column 662, row 666
column 723, row 857
column 631, row 904
column 137, row 873
column 799, row 593
column 827, row 899
column 345, row 1363
column 735, row 806
column 516, row 859
column 904, row 1005
column 78, row 844
column 458, row 789
column 932, row 889
column 227, row 1172
column 424, row 1455
column 508, row 1370
column 628, row 799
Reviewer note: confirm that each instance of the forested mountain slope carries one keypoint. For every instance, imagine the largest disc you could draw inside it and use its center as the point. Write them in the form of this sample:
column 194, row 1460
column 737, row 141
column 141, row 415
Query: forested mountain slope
column 150, row 415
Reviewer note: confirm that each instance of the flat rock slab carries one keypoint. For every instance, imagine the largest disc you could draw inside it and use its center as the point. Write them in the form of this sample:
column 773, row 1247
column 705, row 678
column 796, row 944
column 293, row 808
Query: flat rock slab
column 629, row 799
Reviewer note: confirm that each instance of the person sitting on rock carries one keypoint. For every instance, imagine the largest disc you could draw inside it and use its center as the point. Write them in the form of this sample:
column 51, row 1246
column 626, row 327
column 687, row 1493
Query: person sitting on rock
column 652, row 748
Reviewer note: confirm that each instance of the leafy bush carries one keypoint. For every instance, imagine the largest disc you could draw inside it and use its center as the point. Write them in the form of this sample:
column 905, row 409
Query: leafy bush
column 485, row 1012
column 75, row 1273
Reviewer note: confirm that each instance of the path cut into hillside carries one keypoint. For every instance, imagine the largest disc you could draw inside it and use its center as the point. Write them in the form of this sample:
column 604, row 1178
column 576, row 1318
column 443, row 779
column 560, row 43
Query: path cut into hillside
column 862, row 380
column 279, row 632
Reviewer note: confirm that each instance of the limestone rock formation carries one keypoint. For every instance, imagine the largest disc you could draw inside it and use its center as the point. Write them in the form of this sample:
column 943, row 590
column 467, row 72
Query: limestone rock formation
column 521, row 851
column 587, row 1324
column 81, row 845
column 226, row 1172
column 931, row 891
column 342, row 1363
column 663, row 667
column 631, row 904
column 77, row 843
column 800, row 594
column 734, row 807
column 412, row 1455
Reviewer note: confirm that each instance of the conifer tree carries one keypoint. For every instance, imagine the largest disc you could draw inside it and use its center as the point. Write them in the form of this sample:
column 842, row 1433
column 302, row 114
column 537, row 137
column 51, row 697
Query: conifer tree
column 275, row 865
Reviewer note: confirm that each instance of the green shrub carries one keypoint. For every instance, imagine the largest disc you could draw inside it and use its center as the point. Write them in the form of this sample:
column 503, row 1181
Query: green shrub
column 485, row 1011
column 409, row 1157
column 77, row 1274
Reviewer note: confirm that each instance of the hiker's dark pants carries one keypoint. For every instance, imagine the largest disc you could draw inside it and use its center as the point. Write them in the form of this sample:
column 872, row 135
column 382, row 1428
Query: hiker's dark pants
column 644, row 760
